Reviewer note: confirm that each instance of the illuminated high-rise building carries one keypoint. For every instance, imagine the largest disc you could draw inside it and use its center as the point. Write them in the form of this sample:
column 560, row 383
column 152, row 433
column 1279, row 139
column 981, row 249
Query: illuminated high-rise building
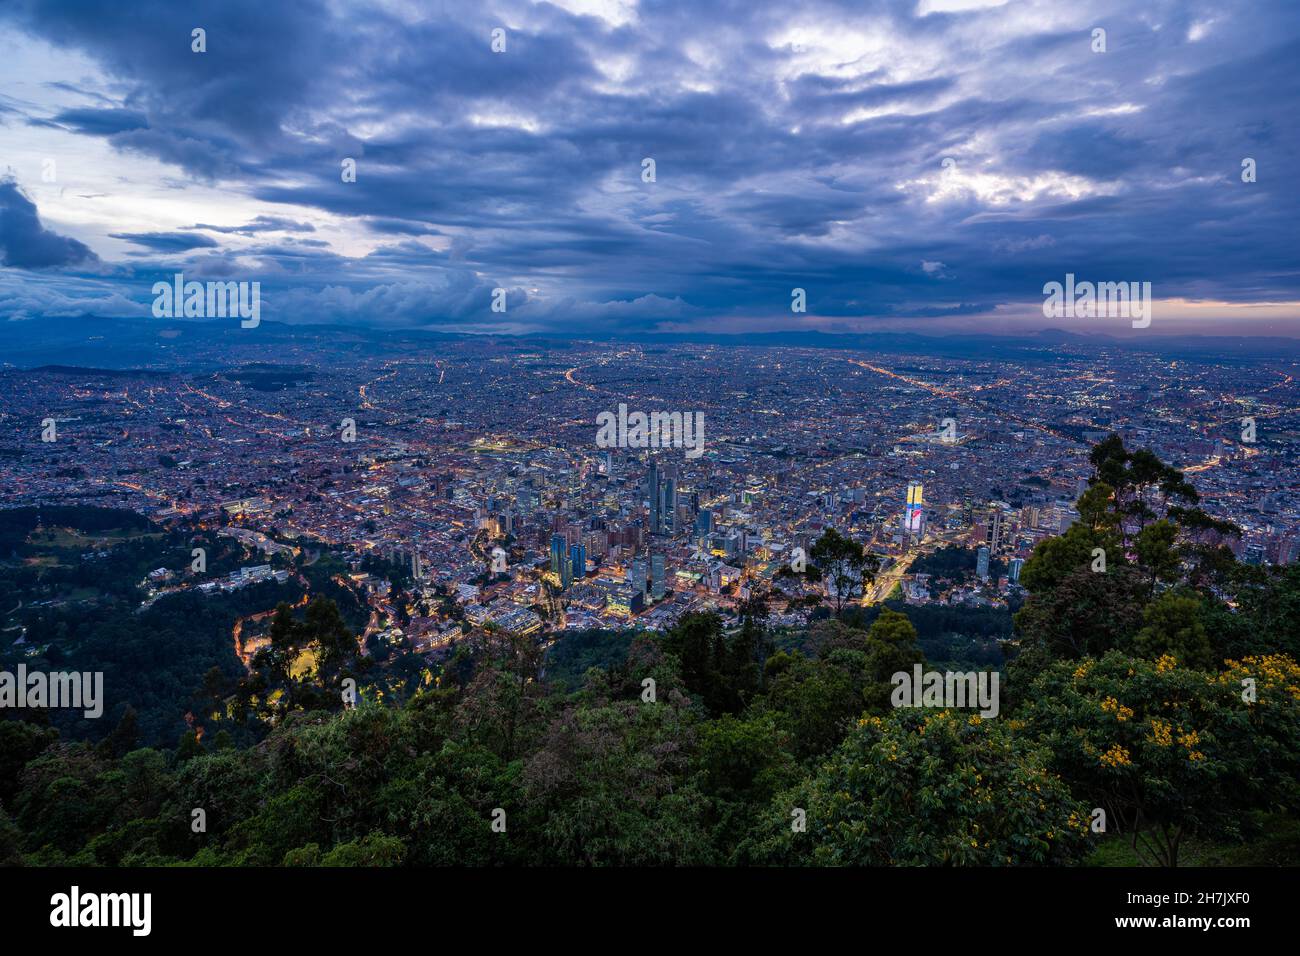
column 654, row 495
column 994, row 525
column 914, row 514
column 558, row 544
column 1013, row 570
column 637, row 575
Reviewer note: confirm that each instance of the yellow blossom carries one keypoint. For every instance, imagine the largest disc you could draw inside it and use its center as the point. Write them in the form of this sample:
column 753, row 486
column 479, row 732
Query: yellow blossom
column 1116, row 756
column 1161, row 733
column 1111, row 706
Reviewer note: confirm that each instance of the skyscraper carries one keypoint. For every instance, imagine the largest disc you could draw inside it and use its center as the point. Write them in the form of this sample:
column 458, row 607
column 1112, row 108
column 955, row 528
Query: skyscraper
column 914, row 513
column 558, row 544
column 994, row 526
column 578, row 560
column 637, row 575
column 668, row 510
column 653, row 494
column 982, row 563
column 1013, row 570
column 658, row 586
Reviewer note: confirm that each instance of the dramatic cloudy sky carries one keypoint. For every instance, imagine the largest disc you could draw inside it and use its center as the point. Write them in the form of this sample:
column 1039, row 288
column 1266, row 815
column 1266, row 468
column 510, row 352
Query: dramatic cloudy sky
column 797, row 143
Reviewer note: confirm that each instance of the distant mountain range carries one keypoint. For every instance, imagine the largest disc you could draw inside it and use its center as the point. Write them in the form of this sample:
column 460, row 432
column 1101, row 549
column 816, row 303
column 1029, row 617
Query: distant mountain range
column 966, row 344
column 132, row 343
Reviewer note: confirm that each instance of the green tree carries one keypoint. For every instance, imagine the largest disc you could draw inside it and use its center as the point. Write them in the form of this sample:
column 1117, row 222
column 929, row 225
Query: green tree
column 1082, row 613
column 188, row 747
column 815, row 701
column 742, row 763
column 722, row 670
column 608, row 786
column 124, row 737
column 1143, row 486
column 20, row 742
column 374, row 849
column 848, row 569
column 1168, row 751
column 10, row 841
column 324, row 626
column 1173, row 624
column 1157, row 552
column 891, row 648
column 925, row 789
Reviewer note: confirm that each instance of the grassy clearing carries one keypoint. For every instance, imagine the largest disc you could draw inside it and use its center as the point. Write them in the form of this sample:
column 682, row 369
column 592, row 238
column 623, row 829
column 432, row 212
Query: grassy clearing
column 1277, row 844
column 70, row 539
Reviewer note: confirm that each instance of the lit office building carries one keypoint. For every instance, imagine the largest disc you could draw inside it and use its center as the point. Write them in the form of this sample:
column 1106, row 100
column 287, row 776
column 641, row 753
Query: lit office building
column 558, row 545
column 637, row 575
column 914, row 514
column 1013, row 570
column 654, row 495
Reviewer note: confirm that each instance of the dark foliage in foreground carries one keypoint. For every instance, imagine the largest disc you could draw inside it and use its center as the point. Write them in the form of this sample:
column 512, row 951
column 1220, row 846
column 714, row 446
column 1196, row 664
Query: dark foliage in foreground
column 1162, row 690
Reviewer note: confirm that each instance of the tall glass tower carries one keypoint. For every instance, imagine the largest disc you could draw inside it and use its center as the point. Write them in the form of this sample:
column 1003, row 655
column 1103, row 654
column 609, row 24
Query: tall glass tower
column 653, row 493
column 557, row 554
column 658, row 585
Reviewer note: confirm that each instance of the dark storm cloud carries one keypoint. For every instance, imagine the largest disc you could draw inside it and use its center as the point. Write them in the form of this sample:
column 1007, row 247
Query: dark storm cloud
column 796, row 145
column 262, row 224
column 401, row 227
column 25, row 243
column 101, row 122
column 260, row 65
column 167, row 241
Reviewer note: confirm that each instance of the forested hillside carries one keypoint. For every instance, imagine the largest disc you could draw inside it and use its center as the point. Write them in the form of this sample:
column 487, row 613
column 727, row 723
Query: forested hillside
column 1159, row 688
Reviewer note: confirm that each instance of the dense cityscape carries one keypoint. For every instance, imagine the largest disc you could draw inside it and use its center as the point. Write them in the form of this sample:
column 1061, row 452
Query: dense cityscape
column 486, row 445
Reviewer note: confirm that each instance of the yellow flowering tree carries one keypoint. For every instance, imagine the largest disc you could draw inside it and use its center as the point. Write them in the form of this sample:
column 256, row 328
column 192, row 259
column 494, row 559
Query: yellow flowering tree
column 1169, row 751
column 924, row 787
